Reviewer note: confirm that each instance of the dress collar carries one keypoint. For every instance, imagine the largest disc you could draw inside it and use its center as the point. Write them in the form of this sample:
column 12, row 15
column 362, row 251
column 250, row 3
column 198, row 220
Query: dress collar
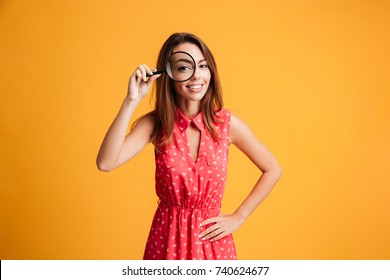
column 183, row 122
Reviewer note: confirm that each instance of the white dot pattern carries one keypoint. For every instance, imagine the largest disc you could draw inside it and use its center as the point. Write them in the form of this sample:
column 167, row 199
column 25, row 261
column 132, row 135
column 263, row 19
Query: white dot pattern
column 190, row 191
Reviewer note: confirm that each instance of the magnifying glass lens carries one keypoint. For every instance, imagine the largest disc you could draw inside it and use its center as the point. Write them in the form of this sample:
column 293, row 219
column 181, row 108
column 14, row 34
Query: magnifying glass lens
column 180, row 66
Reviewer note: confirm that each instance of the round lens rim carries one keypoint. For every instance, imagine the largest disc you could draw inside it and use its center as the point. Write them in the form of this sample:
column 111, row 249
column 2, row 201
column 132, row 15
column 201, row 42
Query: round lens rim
column 166, row 66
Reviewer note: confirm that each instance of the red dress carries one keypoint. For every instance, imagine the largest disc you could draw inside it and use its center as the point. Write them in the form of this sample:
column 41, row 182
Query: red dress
column 190, row 192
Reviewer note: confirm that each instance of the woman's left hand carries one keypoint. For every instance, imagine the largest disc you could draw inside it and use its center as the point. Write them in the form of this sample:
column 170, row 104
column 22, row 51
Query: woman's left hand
column 223, row 225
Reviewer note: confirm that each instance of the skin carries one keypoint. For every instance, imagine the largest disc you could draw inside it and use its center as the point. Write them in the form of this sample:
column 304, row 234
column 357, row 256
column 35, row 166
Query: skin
column 118, row 148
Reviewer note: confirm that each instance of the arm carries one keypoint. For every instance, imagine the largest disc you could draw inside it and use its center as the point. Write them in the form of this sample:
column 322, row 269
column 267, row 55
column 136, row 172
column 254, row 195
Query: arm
column 245, row 140
column 117, row 147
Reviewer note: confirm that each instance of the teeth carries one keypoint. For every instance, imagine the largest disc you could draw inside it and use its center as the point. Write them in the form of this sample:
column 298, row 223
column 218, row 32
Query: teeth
column 198, row 86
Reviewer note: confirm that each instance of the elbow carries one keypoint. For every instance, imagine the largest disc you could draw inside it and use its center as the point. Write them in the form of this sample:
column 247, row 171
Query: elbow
column 103, row 167
column 278, row 172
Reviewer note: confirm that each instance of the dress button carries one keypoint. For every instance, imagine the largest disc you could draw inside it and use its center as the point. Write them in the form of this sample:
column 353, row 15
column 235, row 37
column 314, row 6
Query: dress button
column 193, row 169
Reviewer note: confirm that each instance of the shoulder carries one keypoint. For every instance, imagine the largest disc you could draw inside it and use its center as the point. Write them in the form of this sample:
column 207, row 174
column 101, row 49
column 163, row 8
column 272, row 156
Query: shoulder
column 234, row 120
column 148, row 119
column 145, row 124
column 223, row 115
column 238, row 129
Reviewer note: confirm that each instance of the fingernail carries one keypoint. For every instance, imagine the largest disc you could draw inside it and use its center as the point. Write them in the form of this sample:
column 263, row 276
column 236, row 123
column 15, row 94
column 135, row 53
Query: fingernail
column 204, row 238
column 200, row 236
column 151, row 73
column 201, row 225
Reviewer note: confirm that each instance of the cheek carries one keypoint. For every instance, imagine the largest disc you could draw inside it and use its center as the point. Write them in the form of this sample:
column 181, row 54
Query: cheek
column 208, row 76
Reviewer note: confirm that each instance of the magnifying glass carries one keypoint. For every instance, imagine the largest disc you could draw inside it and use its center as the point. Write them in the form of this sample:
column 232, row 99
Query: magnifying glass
column 180, row 67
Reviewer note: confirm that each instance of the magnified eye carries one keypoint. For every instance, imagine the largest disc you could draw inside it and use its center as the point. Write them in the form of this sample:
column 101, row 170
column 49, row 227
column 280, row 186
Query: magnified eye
column 180, row 66
column 184, row 68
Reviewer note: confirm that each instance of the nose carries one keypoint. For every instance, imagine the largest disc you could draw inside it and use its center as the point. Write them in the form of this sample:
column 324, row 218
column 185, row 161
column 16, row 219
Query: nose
column 196, row 75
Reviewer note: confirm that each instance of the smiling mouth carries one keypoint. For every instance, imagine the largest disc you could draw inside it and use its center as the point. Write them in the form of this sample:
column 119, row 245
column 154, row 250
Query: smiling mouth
column 195, row 86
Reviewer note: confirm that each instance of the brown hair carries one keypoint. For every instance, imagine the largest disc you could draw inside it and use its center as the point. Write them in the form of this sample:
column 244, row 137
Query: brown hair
column 165, row 112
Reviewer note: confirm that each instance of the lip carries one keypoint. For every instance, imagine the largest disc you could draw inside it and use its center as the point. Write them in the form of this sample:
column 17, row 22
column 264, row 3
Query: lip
column 195, row 86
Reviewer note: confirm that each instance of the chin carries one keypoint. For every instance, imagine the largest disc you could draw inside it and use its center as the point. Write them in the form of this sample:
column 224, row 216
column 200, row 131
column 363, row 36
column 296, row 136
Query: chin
column 194, row 96
column 191, row 95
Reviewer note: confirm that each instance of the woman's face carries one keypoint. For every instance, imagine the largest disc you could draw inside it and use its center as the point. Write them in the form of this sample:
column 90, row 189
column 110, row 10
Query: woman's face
column 196, row 87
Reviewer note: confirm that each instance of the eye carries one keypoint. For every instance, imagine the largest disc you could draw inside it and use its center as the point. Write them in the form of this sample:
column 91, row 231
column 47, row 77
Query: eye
column 184, row 68
column 203, row 66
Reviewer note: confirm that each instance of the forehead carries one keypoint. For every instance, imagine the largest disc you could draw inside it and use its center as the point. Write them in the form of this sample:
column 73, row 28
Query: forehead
column 192, row 49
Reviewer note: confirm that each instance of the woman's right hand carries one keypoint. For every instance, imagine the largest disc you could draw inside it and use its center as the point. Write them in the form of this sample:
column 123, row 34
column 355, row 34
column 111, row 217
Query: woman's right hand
column 139, row 83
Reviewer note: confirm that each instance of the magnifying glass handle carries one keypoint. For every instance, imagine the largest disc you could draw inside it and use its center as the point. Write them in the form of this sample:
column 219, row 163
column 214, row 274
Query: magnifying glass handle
column 156, row 73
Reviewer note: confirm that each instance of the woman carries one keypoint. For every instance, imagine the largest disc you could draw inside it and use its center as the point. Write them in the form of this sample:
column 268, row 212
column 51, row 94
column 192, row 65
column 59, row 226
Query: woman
column 191, row 133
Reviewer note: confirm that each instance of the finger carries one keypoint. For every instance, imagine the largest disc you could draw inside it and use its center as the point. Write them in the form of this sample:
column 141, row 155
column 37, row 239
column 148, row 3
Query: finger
column 219, row 236
column 141, row 73
column 145, row 70
column 208, row 232
column 138, row 75
column 209, row 221
column 215, row 233
column 151, row 79
column 148, row 70
column 133, row 78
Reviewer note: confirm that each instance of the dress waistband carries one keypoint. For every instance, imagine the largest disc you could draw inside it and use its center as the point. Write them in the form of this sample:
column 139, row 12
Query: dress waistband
column 188, row 208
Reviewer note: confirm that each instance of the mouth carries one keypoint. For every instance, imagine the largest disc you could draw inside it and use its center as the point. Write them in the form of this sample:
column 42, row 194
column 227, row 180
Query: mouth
column 195, row 86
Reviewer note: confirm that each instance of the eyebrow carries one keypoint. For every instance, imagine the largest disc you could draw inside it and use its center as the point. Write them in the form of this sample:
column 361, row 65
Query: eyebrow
column 189, row 61
column 184, row 60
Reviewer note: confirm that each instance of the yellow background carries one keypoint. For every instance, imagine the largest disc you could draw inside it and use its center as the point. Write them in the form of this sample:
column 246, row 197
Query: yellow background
column 311, row 78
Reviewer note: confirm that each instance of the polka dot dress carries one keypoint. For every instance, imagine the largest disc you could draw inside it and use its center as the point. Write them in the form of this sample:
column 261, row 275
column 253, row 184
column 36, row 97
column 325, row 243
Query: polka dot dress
column 190, row 191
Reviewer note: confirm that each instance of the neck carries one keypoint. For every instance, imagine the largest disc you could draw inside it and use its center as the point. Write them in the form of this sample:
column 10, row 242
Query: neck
column 189, row 108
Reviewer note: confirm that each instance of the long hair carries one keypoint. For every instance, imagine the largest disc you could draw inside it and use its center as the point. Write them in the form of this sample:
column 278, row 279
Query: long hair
column 165, row 112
